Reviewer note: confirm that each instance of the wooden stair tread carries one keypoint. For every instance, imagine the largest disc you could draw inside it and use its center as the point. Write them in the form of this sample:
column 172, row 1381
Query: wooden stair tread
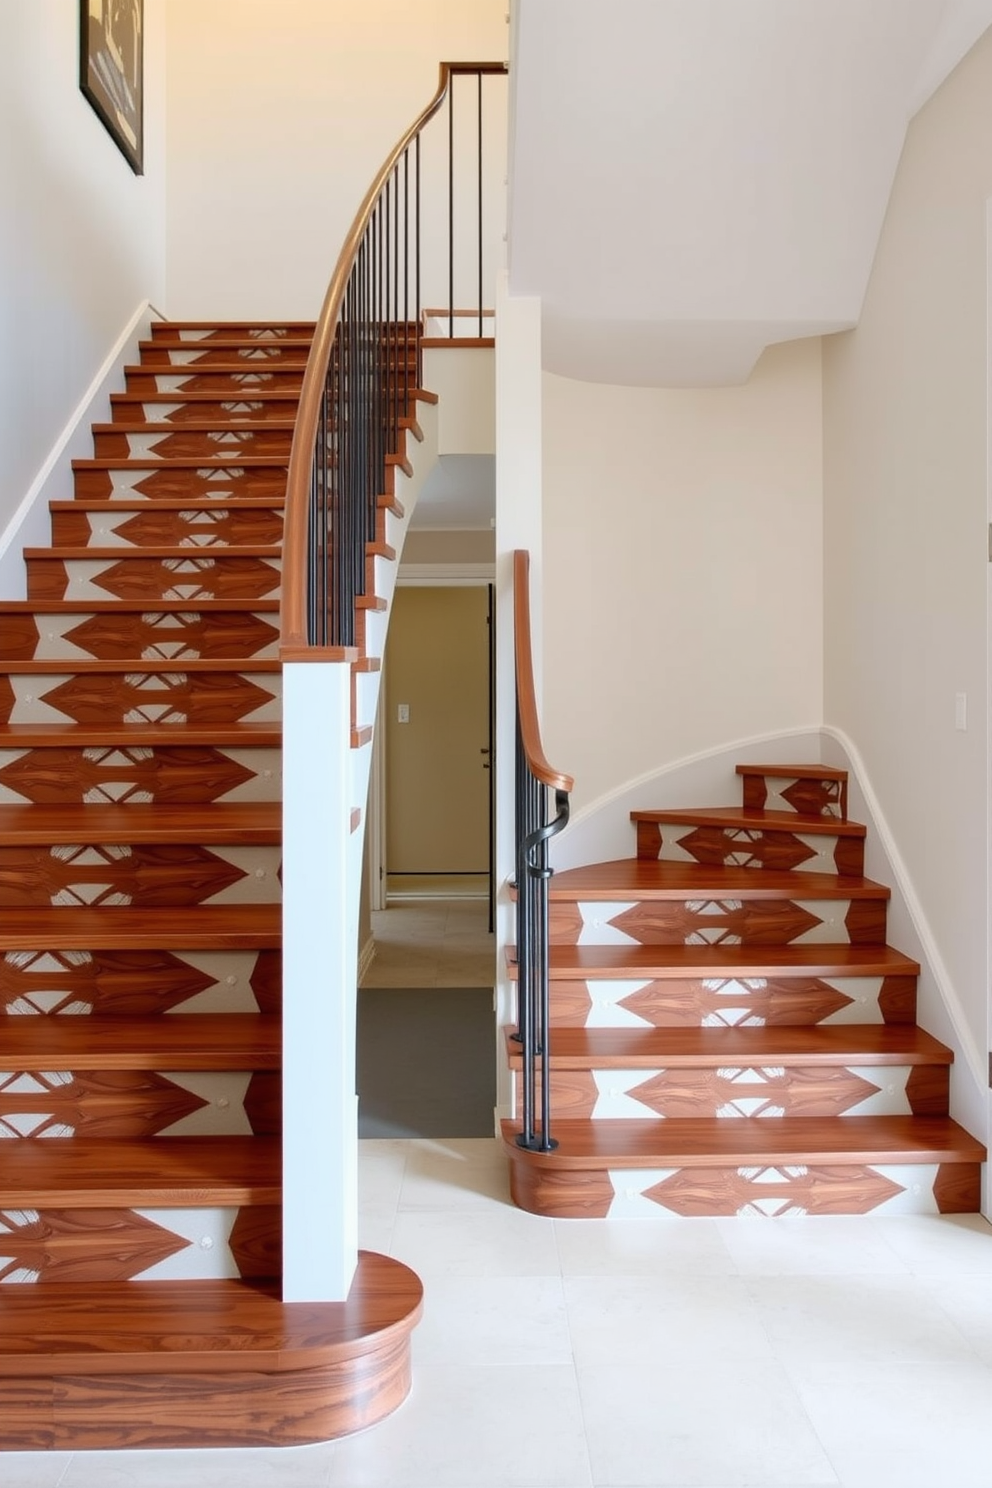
column 188, row 426
column 176, row 1041
column 186, row 462
column 236, row 364
column 173, row 1326
column 163, row 341
column 157, row 1172
column 656, row 962
column 111, row 505
column 694, row 1142
column 830, row 1044
column 147, row 666
column 261, row 395
column 228, row 822
column 234, row 927
column 143, row 605
column 747, row 819
column 795, row 772
column 136, row 735
column 305, row 327
column 229, row 550
column 651, row 878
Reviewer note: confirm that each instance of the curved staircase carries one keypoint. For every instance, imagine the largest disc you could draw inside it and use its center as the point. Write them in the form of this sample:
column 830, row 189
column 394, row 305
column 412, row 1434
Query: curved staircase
column 730, row 1032
column 140, row 933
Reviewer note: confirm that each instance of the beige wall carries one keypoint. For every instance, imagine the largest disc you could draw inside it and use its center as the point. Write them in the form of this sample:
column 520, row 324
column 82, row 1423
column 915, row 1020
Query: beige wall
column 682, row 568
column 905, row 409
column 437, row 789
column 455, row 548
column 279, row 116
column 84, row 238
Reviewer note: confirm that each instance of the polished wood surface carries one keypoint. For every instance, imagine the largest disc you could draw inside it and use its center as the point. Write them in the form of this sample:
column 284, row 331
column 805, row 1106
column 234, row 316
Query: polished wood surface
column 166, row 1364
column 115, row 836
column 750, row 818
column 754, row 1143
column 638, row 878
column 175, row 1172
column 201, row 1041
column 646, row 1048
column 639, row 962
column 222, row 927
column 230, row 822
column 529, row 722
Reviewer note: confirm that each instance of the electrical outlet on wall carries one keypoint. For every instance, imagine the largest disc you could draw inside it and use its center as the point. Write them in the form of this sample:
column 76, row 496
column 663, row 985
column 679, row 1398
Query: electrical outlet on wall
column 402, row 712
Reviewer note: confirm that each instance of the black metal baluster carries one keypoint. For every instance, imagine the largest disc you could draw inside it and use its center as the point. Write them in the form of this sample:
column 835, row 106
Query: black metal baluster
column 407, row 410
column 479, row 79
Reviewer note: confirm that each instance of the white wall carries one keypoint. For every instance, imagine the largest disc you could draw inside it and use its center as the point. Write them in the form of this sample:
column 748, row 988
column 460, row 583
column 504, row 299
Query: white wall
column 682, row 568
column 83, row 239
column 905, row 428
column 279, row 116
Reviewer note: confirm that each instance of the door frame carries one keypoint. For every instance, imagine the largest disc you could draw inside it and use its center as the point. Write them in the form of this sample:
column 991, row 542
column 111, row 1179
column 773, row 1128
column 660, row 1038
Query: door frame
column 424, row 576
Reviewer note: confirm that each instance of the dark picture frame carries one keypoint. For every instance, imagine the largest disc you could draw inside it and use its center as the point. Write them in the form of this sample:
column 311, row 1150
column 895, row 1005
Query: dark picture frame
column 111, row 71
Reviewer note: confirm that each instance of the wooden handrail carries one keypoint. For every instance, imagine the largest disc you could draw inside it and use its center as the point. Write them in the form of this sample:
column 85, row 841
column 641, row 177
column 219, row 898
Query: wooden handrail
column 530, row 728
column 293, row 620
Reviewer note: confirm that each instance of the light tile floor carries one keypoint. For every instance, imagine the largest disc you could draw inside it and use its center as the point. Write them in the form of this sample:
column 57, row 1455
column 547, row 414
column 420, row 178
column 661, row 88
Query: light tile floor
column 658, row 1353
column 433, row 943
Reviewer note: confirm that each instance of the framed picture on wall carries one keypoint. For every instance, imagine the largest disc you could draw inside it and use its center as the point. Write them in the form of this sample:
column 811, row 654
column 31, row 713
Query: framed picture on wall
column 110, row 70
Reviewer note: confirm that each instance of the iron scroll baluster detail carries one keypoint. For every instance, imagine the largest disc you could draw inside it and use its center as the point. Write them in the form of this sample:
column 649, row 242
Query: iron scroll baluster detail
column 534, row 876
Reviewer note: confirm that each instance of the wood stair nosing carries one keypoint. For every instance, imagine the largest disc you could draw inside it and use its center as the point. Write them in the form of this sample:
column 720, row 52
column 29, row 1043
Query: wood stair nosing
column 115, row 506
column 656, row 879
column 750, row 818
column 147, row 666
column 796, row 772
column 871, row 1044
column 706, row 1142
column 235, row 927
column 139, row 735
column 166, row 1325
column 178, row 1041
column 158, row 1172
column 656, row 962
column 179, row 551
column 215, row 822
column 153, row 463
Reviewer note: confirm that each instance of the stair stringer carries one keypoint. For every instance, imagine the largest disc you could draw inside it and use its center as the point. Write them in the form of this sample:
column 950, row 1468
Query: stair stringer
column 325, row 790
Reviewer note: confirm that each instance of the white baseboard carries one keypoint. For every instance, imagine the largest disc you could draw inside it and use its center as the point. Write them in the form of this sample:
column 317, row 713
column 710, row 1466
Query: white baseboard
column 29, row 526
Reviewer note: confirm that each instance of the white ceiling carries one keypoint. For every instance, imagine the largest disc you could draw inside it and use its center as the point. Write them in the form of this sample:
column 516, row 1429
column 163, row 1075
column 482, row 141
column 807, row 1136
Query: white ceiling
column 693, row 180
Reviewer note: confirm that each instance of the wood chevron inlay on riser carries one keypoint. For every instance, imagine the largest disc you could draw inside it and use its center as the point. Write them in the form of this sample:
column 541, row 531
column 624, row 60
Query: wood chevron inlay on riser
column 134, row 774
column 732, row 1001
column 143, row 380
column 94, row 1245
column 140, row 696
column 749, row 1091
column 187, row 482
column 149, row 635
column 139, row 874
column 139, row 1103
column 695, row 921
column 158, row 440
column 158, row 527
column 156, row 576
column 279, row 354
column 770, row 1191
column 807, row 797
column 137, row 983
column 751, row 848
column 152, row 408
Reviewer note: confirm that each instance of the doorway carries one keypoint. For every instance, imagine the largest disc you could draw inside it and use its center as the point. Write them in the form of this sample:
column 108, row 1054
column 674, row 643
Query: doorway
column 426, row 1033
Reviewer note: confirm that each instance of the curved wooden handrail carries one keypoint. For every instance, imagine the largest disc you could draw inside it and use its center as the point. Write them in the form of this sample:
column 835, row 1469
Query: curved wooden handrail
column 530, row 728
column 293, row 620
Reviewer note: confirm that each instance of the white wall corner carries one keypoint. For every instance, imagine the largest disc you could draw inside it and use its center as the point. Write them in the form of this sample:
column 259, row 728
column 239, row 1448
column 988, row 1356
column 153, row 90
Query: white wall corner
column 939, row 1007
column 30, row 524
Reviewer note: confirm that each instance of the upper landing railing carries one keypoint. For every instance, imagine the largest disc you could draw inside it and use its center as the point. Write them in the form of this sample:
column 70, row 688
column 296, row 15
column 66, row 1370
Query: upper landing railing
column 365, row 362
